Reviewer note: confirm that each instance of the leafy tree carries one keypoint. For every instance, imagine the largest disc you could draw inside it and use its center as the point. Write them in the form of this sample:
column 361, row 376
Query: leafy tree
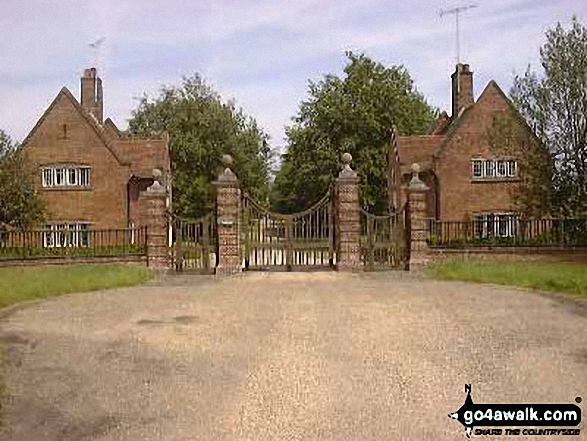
column 554, row 103
column 201, row 128
column 355, row 114
column 20, row 204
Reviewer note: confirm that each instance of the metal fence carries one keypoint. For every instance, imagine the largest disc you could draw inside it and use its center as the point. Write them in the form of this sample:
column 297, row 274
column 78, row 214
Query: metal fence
column 383, row 241
column 72, row 243
column 508, row 231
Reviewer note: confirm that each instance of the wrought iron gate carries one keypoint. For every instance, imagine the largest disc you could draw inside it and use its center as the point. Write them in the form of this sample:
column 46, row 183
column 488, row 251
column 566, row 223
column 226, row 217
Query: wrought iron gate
column 195, row 246
column 302, row 240
column 384, row 240
column 305, row 240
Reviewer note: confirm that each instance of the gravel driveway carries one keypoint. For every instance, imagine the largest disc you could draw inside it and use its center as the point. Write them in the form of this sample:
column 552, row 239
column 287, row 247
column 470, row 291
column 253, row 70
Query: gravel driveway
column 285, row 356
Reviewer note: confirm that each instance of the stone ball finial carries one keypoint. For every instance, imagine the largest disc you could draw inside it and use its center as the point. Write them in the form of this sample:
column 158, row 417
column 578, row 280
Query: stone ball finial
column 156, row 173
column 227, row 160
column 346, row 158
column 416, row 167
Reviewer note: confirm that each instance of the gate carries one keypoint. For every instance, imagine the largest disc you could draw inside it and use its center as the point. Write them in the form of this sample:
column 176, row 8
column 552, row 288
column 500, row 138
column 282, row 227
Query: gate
column 195, row 244
column 302, row 240
column 333, row 232
column 384, row 240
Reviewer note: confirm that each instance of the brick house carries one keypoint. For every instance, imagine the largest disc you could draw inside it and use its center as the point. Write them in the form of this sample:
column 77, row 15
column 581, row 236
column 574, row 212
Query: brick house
column 90, row 173
column 467, row 179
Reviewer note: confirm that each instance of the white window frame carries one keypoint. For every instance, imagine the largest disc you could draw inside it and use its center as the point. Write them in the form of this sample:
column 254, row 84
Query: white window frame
column 493, row 168
column 501, row 168
column 62, row 234
column 60, row 177
column 512, row 168
column 477, row 166
column 489, row 168
column 72, row 176
column 496, row 224
column 83, row 174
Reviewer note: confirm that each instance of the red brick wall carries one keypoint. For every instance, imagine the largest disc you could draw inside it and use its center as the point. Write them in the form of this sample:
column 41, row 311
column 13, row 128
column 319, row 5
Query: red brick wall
column 104, row 204
column 460, row 196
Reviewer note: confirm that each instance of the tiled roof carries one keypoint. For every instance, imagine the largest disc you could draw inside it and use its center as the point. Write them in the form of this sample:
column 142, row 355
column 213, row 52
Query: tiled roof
column 418, row 149
column 144, row 155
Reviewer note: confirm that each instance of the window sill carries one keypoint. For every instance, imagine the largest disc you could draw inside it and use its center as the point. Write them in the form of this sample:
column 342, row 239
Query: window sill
column 67, row 188
column 494, row 180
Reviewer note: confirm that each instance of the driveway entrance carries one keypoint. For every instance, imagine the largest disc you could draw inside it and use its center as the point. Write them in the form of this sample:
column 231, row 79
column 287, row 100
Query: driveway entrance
column 284, row 356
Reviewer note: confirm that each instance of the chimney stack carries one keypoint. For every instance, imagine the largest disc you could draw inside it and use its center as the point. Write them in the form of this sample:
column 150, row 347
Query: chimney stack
column 462, row 89
column 92, row 94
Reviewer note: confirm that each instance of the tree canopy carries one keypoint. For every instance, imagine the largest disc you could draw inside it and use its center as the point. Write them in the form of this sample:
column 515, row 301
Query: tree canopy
column 20, row 204
column 554, row 103
column 201, row 128
column 354, row 113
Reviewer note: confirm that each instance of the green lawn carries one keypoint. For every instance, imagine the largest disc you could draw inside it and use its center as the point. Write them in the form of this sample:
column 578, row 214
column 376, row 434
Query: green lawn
column 543, row 275
column 18, row 284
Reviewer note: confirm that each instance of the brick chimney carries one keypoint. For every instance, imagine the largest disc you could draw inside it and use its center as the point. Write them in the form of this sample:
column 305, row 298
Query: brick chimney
column 92, row 94
column 462, row 88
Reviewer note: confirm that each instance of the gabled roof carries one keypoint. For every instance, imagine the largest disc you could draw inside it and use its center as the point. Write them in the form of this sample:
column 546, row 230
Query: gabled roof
column 418, row 149
column 423, row 149
column 440, row 125
column 64, row 93
column 144, row 155
column 462, row 116
column 111, row 129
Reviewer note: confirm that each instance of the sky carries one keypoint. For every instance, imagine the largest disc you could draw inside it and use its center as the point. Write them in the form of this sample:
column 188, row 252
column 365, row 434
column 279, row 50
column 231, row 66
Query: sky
column 260, row 53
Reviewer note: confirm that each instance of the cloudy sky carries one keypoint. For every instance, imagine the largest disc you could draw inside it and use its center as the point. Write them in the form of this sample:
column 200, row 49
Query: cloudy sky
column 259, row 52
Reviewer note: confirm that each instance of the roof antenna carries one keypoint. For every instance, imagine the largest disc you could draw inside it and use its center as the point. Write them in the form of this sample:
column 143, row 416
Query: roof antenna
column 457, row 11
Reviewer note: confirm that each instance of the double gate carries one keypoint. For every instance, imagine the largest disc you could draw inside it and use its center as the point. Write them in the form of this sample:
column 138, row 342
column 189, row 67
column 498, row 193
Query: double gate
column 303, row 240
column 307, row 240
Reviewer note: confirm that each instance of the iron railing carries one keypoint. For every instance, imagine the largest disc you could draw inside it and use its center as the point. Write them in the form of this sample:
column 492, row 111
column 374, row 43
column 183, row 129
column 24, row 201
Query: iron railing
column 509, row 232
column 72, row 243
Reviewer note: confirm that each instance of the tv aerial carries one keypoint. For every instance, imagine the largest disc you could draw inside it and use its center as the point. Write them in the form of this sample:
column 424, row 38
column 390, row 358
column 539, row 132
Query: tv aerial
column 456, row 12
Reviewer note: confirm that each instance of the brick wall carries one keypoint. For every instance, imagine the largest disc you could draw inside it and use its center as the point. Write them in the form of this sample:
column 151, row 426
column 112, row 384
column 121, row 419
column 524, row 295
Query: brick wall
column 104, row 203
column 460, row 196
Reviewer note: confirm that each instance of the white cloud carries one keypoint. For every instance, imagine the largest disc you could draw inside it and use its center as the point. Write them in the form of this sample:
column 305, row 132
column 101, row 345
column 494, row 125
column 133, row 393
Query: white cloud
column 261, row 52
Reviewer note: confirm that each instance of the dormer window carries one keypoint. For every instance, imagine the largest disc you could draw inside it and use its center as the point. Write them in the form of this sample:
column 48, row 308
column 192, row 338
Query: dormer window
column 483, row 169
column 70, row 176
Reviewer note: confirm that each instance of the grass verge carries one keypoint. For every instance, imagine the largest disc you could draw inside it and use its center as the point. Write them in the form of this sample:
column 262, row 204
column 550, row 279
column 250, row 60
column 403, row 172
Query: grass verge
column 19, row 284
column 543, row 275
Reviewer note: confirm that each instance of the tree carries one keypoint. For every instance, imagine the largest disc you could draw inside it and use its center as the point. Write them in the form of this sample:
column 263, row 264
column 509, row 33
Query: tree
column 20, row 204
column 554, row 103
column 356, row 114
column 201, row 128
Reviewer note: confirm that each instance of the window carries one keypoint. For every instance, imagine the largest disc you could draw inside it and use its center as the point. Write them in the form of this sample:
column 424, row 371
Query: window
column 59, row 176
column 66, row 235
column 501, row 168
column 71, row 176
column 512, row 168
column 47, row 177
column 83, row 176
column 477, row 168
column 489, row 168
column 494, row 168
column 74, row 176
column 496, row 225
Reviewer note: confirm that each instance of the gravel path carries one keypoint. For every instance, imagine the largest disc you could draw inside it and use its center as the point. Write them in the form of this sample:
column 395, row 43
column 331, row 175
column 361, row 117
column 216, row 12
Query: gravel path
column 285, row 356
